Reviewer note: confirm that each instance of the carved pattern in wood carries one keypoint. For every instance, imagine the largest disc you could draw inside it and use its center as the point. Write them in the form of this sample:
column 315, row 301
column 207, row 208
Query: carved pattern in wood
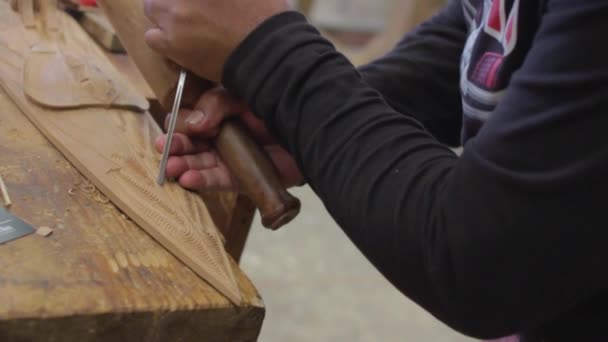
column 60, row 80
column 114, row 150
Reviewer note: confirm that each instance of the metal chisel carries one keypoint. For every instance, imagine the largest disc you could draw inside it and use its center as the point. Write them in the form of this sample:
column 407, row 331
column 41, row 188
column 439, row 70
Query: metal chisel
column 172, row 123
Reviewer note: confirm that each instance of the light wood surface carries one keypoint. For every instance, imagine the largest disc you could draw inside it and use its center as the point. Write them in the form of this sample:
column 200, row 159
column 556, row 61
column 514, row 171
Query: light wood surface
column 113, row 148
column 124, row 64
column 98, row 277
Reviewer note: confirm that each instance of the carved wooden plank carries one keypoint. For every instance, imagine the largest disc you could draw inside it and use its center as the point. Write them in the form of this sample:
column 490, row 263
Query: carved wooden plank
column 99, row 277
column 113, row 148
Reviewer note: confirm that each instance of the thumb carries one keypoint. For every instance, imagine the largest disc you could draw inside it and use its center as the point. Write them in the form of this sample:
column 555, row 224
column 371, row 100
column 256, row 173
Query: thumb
column 157, row 40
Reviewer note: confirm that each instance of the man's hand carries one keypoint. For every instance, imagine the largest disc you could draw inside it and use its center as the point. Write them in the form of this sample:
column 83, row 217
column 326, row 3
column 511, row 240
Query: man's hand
column 200, row 35
column 195, row 164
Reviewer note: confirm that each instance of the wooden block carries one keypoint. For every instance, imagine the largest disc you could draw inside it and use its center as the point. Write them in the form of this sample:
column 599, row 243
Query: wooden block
column 99, row 277
column 125, row 66
column 26, row 8
column 45, row 231
column 48, row 13
column 100, row 29
column 114, row 149
column 6, row 198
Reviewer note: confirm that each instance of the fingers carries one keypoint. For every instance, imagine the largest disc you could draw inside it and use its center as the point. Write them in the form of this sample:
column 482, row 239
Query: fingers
column 215, row 179
column 216, row 104
column 176, row 166
column 200, row 172
column 157, row 40
column 181, row 145
column 156, row 10
column 156, row 37
column 183, row 116
column 208, row 114
column 288, row 169
column 258, row 129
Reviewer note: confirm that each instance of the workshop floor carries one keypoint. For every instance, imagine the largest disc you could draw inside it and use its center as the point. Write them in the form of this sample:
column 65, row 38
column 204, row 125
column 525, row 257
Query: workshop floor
column 318, row 287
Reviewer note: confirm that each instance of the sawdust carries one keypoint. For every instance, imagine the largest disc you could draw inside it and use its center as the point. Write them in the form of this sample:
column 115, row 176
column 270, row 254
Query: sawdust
column 90, row 190
column 98, row 197
column 5, row 197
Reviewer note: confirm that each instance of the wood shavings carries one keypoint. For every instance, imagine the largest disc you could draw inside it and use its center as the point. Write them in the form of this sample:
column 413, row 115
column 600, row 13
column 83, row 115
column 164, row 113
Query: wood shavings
column 101, row 198
column 5, row 197
column 88, row 188
column 45, row 231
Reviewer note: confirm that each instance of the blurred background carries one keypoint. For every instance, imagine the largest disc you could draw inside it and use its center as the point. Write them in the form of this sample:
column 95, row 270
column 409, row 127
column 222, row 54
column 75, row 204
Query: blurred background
column 316, row 285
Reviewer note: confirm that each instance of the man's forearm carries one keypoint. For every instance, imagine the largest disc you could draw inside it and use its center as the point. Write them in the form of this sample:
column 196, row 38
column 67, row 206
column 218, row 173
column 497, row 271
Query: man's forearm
column 420, row 76
column 482, row 242
column 378, row 172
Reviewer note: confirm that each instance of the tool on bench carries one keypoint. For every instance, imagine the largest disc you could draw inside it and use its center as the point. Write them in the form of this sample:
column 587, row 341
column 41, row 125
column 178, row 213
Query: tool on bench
column 171, row 131
column 250, row 165
column 12, row 228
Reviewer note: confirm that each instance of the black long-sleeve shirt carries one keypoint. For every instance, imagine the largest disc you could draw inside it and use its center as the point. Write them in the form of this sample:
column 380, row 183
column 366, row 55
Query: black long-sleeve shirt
column 509, row 238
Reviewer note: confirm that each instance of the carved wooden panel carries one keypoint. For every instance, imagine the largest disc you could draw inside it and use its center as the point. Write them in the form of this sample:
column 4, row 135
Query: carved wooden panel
column 114, row 150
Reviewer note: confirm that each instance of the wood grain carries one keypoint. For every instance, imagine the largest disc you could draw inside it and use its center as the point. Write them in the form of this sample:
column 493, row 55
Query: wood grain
column 99, row 277
column 124, row 64
column 113, row 148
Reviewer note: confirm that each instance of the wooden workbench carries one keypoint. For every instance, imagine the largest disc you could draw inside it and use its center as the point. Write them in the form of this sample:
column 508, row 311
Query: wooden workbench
column 99, row 277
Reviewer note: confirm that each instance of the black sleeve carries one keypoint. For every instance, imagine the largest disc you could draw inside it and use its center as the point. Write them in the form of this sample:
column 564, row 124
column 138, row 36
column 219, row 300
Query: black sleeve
column 503, row 239
column 420, row 76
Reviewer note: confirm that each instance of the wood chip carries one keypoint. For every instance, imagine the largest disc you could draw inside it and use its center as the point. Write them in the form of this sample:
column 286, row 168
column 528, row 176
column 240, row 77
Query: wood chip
column 45, row 231
column 5, row 197
column 101, row 198
column 89, row 188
